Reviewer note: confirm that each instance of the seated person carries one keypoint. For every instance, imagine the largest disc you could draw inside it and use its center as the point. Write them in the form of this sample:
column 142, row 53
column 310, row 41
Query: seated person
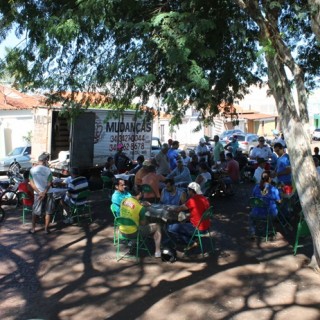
column 119, row 194
column 121, row 160
column 260, row 169
column 172, row 195
column 203, row 177
column 180, row 175
column 186, row 159
column 76, row 185
column 153, row 180
column 233, row 172
column 141, row 173
column 140, row 160
column 110, row 168
column 197, row 204
column 193, row 165
column 131, row 208
column 270, row 196
column 25, row 187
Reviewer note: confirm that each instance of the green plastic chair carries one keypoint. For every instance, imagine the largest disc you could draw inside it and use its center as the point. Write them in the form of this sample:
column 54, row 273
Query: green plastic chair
column 139, row 240
column 81, row 211
column 146, row 188
column 115, row 226
column 201, row 234
column 302, row 232
column 266, row 221
column 25, row 209
column 107, row 185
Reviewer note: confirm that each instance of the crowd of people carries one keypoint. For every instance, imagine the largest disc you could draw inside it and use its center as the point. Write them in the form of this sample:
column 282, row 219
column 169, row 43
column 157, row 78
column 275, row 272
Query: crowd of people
column 177, row 178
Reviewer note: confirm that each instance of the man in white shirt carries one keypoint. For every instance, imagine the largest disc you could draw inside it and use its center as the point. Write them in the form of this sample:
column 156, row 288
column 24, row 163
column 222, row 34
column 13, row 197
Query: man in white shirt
column 202, row 150
column 260, row 169
column 261, row 150
column 40, row 181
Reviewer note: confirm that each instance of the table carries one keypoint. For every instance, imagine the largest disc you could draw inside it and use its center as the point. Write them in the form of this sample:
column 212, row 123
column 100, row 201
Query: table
column 163, row 212
column 124, row 176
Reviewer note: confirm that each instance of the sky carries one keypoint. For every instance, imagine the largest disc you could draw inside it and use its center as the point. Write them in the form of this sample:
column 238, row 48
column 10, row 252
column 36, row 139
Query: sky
column 10, row 42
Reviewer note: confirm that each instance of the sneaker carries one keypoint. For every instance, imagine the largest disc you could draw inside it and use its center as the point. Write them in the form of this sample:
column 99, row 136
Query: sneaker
column 157, row 254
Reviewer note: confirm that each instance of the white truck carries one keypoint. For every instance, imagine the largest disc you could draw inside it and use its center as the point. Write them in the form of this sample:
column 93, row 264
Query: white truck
column 91, row 137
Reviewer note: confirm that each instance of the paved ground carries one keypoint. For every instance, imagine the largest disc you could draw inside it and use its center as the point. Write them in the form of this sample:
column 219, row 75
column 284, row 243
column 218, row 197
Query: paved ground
column 72, row 274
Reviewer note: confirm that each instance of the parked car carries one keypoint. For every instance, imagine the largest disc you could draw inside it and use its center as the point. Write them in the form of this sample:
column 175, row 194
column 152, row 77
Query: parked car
column 246, row 141
column 19, row 157
column 155, row 146
column 316, row 134
column 226, row 134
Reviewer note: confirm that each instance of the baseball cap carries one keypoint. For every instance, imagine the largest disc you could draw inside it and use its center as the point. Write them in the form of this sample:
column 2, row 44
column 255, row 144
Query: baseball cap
column 120, row 146
column 202, row 140
column 195, row 187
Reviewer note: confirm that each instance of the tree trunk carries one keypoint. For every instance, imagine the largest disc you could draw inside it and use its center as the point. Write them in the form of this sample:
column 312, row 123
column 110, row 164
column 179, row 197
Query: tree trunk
column 303, row 169
column 293, row 120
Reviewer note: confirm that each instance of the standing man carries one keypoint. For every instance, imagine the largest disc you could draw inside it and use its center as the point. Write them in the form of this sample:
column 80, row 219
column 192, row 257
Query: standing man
column 283, row 168
column 121, row 160
column 218, row 148
column 234, row 145
column 173, row 154
column 261, row 150
column 203, row 151
column 40, row 181
column 162, row 160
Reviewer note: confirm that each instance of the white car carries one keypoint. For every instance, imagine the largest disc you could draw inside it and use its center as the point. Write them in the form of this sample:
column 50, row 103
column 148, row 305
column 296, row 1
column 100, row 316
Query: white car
column 18, row 158
column 316, row 134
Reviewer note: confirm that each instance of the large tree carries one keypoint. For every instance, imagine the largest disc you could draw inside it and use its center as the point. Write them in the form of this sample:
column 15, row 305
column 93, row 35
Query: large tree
column 197, row 51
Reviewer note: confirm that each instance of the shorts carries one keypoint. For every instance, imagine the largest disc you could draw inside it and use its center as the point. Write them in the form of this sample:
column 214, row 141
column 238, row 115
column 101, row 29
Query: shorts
column 145, row 231
column 44, row 206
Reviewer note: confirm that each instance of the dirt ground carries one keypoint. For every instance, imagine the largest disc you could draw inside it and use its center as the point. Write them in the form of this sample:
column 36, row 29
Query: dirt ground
column 72, row 273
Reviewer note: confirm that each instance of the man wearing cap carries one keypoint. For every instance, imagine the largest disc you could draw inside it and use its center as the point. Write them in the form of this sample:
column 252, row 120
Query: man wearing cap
column 202, row 151
column 260, row 169
column 40, row 181
column 261, row 150
column 120, row 159
column 141, row 173
column 162, row 160
column 197, row 204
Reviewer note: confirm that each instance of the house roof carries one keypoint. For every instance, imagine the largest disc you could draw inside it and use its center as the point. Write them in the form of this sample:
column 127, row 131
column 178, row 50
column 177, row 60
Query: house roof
column 256, row 116
column 12, row 99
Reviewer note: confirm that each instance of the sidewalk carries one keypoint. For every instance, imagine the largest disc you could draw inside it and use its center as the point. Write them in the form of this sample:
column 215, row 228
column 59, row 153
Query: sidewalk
column 72, row 274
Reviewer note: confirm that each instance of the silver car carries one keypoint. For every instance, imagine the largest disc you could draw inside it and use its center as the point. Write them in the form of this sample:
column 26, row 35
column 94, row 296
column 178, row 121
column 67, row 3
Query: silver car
column 246, row 141
column 19, row 158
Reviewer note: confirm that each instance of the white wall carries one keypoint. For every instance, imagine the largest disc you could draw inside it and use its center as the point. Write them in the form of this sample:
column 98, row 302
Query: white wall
column 14, row 125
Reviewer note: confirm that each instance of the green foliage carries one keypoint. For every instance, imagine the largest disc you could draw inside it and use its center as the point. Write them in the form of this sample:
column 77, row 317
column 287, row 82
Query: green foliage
column 184, row 52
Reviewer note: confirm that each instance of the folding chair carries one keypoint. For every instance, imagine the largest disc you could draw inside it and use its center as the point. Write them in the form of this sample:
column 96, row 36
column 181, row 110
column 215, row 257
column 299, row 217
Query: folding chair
column 140, row 241
column 25, row 209
column 199, row 234
column 115, row 226
column 283, row 220
column 146, row 188
column 267, row 221
column 107, row 185
column 81, row 210
column 302, row 231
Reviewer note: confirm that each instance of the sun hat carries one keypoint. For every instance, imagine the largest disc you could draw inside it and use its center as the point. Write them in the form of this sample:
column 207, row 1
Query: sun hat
column 195, row 187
